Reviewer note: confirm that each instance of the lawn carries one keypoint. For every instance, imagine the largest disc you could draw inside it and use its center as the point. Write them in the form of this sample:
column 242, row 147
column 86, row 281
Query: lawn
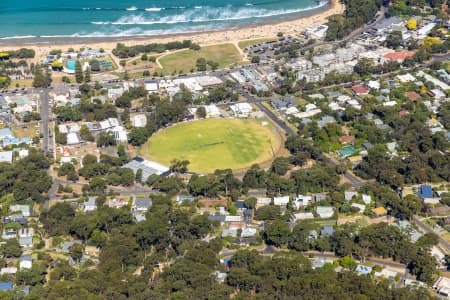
column 185, row 60
column 246, row 43
column 214, row 144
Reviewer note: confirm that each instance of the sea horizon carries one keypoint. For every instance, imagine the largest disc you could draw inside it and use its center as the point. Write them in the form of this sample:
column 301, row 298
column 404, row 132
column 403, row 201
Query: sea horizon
column 101, row 20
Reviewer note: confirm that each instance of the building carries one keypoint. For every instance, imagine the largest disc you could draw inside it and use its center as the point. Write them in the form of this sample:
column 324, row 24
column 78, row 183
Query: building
column 399, row 56
column 5, row 133
column 379, row 211
column 327, row 231
column 442, row 286
column 24, row 209
column 89, row 205
column 324, row 212
column 388, row 25
column 241, row 110
column 72, row 139
column 8, row 271
column 6, row 286
column 360, row 89
column 139, row 120
column 6, row 156
column 302, row 216
column 363, row 270
column 148, row 167
column 141, row 204
column 212, row 111
column 425, row 192
column 283, row 103
column 281, row 201
column 26, row 262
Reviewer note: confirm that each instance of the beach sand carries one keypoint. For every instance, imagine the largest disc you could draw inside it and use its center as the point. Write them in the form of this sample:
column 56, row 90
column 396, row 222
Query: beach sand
column 290, row 27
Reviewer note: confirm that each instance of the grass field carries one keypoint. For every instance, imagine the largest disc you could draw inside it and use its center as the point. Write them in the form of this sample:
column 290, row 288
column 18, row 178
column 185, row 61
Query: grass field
column 246, row 43
column 214, row 144
column 185, row 60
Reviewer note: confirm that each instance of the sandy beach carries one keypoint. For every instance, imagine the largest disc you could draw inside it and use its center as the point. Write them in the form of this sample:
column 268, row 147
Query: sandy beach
column 290, row 27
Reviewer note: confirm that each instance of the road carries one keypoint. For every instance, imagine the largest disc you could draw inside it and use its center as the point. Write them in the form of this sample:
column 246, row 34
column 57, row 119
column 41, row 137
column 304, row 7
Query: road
column 427, row 229
column 45, row 117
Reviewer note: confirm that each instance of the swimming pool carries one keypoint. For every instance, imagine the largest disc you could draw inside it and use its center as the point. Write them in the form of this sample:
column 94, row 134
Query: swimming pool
column 71, row 65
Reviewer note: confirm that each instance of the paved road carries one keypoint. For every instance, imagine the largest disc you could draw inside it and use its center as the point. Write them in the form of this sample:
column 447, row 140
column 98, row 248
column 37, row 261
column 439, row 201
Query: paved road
column 45, row 116
column 427, row 229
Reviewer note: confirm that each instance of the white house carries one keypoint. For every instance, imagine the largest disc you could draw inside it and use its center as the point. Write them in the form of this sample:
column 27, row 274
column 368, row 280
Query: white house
column 8, row 270
column 324, row 212
column 212, row 111
column 26, row 262
column 241, row 110
column 301, row 201
column 281, row 201
column 139, row 120
column 89, row 205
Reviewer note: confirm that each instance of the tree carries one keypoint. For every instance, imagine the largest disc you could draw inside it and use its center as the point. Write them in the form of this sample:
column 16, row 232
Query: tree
column 280, row 165
column 78, row 72
column 255, row 59
column 201, row 112
column 138, row 136
column 394, row 39
column 250, row 203
column 105, row 139
column 87, row 75
column 85, row 133
column 277, row 233
column 11, row 249
column 201, row 64
column 179, row 166
column 76, row 251
column 41, row 79
column 139, row 176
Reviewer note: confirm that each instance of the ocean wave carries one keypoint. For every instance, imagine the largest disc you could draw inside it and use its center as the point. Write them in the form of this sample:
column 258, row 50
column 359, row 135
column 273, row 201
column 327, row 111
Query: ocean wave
column 18, row 37
column 209, row 14
column 154, row 9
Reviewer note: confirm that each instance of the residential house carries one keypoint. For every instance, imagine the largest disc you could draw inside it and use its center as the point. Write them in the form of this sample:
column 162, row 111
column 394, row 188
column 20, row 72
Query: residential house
column 367, row 199
column 326, row 231
column 6, row 286
column 140, row 207
column 24, row 209
column 324, row 212
column 26, row 262
column 358, row 206
column 442, row 286
column 301, row 216
column 363, row 270
column 301, row 201
column 379, row 212
column 8, row 271
column 283, row 103
column 281, row 201
column 90, row 205
column 349, row 195
column 182, row 198
column 6, row 156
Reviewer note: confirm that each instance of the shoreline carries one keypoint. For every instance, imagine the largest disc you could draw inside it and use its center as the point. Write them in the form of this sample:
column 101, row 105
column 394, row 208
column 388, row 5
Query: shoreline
column 294, row 25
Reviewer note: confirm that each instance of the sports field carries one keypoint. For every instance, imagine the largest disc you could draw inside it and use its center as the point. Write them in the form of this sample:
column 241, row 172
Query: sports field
column 214, row 144
column 185, row 60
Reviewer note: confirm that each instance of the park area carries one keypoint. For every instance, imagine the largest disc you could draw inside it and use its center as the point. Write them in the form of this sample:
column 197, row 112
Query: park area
column 185, row 60
column 214, row 144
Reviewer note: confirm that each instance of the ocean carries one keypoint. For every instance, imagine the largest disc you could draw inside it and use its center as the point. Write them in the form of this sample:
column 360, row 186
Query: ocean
column 108, row 18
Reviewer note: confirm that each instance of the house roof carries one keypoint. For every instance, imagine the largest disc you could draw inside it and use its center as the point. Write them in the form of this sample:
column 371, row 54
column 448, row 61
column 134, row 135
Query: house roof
column 327, row 230
column 346, row 139
column 426, row 191
column 379, row 211
column 143, row 202
column 6, row 286
column 360, row 89
column 399, row 56
column 412, row 95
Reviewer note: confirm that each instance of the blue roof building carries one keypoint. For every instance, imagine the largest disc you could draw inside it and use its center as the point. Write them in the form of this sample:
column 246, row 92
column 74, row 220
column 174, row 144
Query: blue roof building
column 327, row 231
column 425, row 192
column 6, row 286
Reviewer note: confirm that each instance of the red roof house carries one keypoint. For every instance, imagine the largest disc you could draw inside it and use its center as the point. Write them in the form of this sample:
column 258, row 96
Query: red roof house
column 360, row 89
column 399, row 56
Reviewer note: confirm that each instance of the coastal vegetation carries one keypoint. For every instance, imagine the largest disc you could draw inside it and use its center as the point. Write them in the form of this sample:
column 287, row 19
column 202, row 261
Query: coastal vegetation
column 356, row 14
column 123, row 51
